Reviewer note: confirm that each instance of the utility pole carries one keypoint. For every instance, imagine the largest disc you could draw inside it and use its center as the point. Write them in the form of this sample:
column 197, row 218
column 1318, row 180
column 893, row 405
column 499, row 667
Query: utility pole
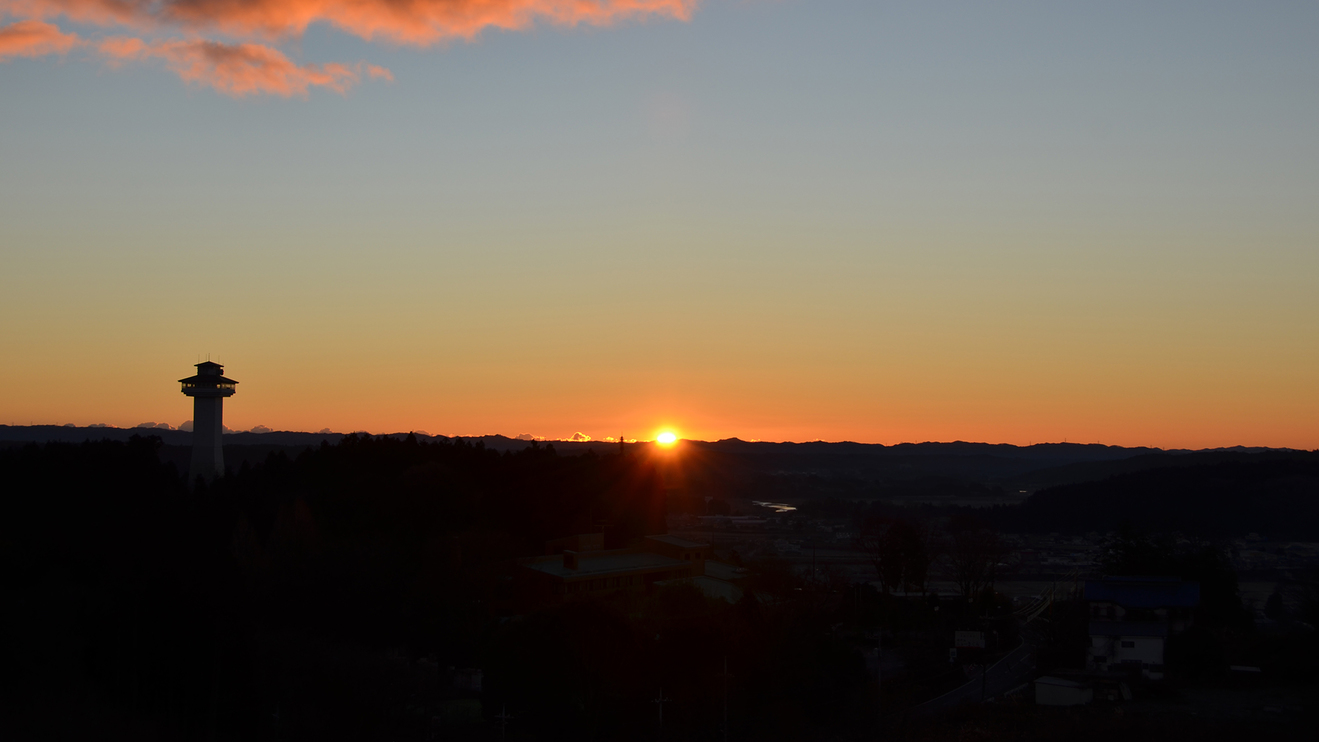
column 503, row 718
column 661, row 700
column 726, row 676
column 879, row 675
column 984, row 663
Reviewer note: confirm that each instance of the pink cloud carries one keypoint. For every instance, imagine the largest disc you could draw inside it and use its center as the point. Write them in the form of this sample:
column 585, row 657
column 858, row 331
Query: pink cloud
column 121, row 48
column 243, row 65
column 98, row 12
column 238, row 69
column 34, row 39
column 419, row 22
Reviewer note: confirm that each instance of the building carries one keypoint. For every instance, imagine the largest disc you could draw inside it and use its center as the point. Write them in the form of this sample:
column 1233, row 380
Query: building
column 657, row 560
column 1131, row 619
column 573, row 573
column 578, row 543
column 681, row 549
column 208, row 388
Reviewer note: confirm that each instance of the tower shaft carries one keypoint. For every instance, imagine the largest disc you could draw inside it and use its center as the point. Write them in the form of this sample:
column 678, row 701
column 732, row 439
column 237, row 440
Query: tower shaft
column 207, row 429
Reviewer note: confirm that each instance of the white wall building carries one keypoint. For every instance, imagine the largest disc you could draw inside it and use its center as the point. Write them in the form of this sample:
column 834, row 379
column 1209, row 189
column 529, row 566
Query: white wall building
column 1131, row 619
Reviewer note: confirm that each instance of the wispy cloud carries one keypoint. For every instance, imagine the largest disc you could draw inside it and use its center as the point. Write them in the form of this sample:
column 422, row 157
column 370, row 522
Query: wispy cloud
column 227, row 43
column 420, row 22
column 238, row 69
column 35, row 39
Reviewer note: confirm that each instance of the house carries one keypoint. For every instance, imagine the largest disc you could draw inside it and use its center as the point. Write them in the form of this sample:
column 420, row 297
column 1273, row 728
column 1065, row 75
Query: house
column 655, row 561
column 677, row 548
column 598, row 572
column 1131, row 619
column 718, row 580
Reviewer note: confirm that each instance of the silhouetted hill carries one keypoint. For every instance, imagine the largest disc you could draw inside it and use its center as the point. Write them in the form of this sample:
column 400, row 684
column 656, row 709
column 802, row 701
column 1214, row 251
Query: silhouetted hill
column 1275, row 494
column 333, row 584
column 70, row 434
column 734, row 468
column 1089, row 471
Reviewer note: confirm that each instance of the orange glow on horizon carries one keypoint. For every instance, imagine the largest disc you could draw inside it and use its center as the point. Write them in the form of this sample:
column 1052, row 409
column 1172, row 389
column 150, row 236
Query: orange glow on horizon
column 275, row 393
column 666, row 438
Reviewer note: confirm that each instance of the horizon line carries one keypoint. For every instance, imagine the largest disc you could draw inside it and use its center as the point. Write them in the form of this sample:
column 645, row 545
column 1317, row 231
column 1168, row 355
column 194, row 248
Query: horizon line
column 613, row 441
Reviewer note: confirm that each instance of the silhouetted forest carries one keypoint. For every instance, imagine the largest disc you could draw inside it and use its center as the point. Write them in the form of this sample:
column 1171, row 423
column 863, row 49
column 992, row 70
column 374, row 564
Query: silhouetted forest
column 1274, row 494
column 132, row 597
column 342, row 592
column 345, row 591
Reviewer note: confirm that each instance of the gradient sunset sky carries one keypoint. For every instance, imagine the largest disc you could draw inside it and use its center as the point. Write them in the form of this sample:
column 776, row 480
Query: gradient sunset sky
column 771, row 219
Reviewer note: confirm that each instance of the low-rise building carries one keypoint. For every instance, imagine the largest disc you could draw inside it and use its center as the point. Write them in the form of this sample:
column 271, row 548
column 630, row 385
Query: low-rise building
column 657, row 560
column 682, row 549
column 1131, row 619
column 598, row 572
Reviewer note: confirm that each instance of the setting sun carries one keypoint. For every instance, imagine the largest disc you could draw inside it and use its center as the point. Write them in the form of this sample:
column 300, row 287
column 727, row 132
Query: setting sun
column 667, row 438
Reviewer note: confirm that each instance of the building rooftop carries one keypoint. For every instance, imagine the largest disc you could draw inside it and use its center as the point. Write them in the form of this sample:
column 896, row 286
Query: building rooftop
column 710, row 587
column 1060, row 682
column 1128, row 628
column 1144, row 592
column 721, row 571
column 601, row 563
column 208, row 372
column 206, row 379
column 678, row 542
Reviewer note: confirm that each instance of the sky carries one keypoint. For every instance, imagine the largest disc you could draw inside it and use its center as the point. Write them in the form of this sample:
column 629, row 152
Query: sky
column 771, row 219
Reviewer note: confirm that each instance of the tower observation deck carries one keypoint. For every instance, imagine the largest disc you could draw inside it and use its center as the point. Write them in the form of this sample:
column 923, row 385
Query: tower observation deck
column 208, row 390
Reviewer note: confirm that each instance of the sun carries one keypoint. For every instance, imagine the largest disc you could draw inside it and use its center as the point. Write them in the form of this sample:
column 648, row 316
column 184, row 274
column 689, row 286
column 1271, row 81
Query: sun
column 667, row 438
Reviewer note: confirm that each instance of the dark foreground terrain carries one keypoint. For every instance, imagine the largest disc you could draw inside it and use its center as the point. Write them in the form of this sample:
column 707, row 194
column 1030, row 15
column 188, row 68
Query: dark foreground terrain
column 368, row 589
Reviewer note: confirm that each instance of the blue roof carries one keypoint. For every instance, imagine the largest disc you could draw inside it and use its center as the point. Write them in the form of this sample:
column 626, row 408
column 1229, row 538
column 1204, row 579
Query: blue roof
column 1144, row 592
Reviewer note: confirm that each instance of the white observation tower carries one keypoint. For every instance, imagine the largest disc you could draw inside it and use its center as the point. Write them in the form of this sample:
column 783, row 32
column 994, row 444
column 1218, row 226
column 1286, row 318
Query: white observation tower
column 208, row 390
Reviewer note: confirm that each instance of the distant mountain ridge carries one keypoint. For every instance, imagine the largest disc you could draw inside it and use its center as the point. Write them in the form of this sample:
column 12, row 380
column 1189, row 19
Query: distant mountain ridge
column 1212, row 494
column 737, row 468
column 1071, row 451
column 1063, row 487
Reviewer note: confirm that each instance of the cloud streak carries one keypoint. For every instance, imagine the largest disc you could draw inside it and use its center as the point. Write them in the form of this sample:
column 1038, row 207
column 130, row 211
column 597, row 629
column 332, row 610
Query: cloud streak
column 417, row 22
column 242, row 61
column 237, row 70
column 35, row 39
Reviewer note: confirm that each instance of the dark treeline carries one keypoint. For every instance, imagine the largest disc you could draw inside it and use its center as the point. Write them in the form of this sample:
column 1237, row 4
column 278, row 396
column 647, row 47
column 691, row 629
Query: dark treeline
column 1272, row 494
column 343, row 592
column 1275, row 495
column 130, row 597
column 340, row 594
column 972, row 477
